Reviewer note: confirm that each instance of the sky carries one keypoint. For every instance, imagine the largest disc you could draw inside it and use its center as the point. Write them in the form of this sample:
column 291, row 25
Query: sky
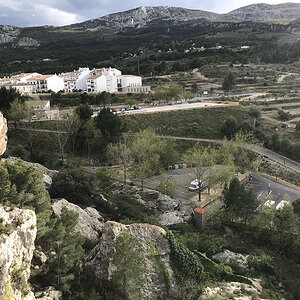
column 62, row 12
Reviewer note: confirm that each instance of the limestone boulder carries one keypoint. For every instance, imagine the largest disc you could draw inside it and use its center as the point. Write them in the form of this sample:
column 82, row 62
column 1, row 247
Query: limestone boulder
column 90, row 222
column 17, row 235
column 99, row 263
column 3, row 134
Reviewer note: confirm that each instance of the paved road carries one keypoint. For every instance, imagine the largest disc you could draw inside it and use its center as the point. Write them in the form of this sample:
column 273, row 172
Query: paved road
column 291, row 164
column 183, row 106
column 264, row 187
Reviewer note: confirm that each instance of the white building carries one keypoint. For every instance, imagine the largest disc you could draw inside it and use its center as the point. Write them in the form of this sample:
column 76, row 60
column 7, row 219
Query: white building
column 96, row 82
column 46, row 83
column 103, row 80
column 131, row 84
column 23, row 88
column 76, row 80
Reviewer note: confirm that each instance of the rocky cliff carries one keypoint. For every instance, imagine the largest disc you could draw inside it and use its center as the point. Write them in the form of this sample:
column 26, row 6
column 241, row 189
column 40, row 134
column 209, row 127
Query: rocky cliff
column 17, row 235
column 8, row 34
column 157, row 275
column 3, row 136
column 144, row 16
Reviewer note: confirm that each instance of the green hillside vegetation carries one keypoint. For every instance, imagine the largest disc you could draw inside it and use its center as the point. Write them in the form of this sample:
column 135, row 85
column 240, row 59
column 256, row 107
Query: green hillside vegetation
column 157, row 49
column 200, row 123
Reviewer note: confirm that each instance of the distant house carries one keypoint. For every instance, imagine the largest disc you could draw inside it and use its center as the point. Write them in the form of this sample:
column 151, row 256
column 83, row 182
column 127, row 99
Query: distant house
column 131, row 84
column 45, row 83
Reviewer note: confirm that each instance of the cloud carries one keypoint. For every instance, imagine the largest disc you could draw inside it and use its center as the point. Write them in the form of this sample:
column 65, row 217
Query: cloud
column 62, row 12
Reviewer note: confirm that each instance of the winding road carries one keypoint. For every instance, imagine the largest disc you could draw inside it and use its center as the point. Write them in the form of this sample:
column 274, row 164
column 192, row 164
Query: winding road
column 288, row 163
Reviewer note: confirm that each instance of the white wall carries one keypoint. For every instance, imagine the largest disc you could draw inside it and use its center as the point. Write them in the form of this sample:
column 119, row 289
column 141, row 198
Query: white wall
column 81, row 81
column 111, row 84
column 101, row 83
column 130, row 81
column 55, row 83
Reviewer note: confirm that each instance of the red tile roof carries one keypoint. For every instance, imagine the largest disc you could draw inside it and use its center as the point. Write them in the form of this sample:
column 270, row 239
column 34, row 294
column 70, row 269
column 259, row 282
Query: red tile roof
column 199, row 210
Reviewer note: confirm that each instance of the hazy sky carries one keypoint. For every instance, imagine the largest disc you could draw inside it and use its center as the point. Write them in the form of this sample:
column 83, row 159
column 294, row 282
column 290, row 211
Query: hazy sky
column 61, row 12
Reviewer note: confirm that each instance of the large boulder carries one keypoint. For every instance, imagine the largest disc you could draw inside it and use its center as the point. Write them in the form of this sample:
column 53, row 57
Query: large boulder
column 49, row 293
column 231, row 290
column 155, row 250
column 90, row 222
column 17, row 235
column 47, row 173
column 228, row 257
column 3, row 132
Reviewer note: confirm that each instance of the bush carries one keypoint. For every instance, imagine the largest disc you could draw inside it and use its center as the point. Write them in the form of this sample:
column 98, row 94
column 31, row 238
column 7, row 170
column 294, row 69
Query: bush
column 73, row 185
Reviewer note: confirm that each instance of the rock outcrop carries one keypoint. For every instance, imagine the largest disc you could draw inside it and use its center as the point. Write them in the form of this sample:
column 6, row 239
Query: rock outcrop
column 8, row 34
column 228, row 257
column 231, row 290
column 90, row 222
column 99, row 263
column 169, row 211
column 25, row 42
column 17, row 235
column 48, row 293
column 3, row 132
column 47, row 173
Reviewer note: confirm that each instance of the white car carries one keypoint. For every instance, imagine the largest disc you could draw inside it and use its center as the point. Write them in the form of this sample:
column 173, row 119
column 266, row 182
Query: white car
column 194, row 185
column 34, row 118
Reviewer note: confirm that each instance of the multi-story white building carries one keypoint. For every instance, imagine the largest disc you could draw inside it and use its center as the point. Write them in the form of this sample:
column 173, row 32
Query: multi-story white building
column 96, row 82
column 46, row 83
column 23, row 88
column 76, row 80
column 111, row 80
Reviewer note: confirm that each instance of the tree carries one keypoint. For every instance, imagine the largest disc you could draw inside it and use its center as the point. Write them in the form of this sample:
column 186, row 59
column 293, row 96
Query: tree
column 21, row 114
column 64, row 251
column 110, row 125
column 194, row 87
column 17, row 112
column 200, row 159
column 91, row 135
column 145, row 149
column 229, row 128
column 255, row 114
column 22, row 185
column 167, row 186
column 84, row 112
column 74, row 185
column 239, row 202
column 121, row 153
column 229, row 82
column 64, row 130
column 296, row 207
column 283, row 115
column 8, row 96
column 128, row 277
column 103, row 98
column 170, row 92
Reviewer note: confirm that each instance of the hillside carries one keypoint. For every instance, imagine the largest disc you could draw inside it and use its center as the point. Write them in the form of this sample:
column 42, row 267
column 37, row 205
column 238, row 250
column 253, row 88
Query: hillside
column 155, row 36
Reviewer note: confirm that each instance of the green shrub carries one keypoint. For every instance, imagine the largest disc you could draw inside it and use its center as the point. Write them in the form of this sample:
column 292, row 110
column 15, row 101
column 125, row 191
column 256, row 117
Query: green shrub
column 185, row 260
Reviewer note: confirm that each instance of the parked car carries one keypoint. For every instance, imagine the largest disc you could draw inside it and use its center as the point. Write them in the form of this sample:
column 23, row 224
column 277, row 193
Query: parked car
column 34, row 118
column 194, row 185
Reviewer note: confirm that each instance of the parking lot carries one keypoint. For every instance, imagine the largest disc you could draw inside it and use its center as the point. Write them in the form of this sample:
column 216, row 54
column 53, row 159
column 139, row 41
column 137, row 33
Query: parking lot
column 260, row 185
column 264, row 187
